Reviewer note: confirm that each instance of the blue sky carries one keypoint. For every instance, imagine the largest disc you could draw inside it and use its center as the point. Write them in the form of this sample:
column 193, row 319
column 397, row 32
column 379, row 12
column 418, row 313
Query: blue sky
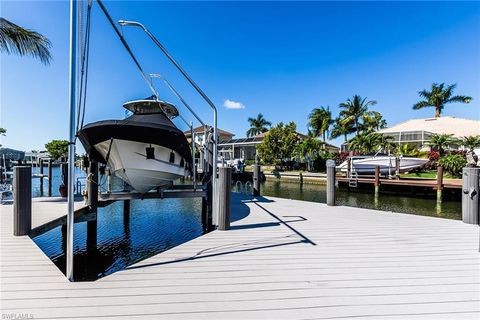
column 278, row 58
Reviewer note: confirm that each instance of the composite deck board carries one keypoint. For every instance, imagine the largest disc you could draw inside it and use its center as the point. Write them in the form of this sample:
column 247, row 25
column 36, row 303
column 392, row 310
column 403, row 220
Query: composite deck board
column 284, row 259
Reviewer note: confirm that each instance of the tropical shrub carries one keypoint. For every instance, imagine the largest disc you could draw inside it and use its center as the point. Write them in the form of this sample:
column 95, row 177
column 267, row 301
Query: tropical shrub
column 279, row 145
column 433, row 156
column 409, row 150
column 308, row 150
column 453, row 163
column 340, row 157
column 471, row 142
column 460, row 152
column 438, row 142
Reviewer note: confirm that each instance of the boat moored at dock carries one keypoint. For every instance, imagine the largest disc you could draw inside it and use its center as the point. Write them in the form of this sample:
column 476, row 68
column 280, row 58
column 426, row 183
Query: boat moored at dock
column 364, row 165
column 146, row 150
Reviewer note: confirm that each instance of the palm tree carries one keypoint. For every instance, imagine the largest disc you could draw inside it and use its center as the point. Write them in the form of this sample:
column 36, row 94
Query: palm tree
column 3, row 131
column 362, row 143
column 371, row 142
column 383, row 142
column 341, row 128
column 373, row 121
column 17, row 40
column 354, row 109
column 320, row 120
column 258, row 125
column 438, row 97
column 307, row 150
column 471, row 142
column 441, row 141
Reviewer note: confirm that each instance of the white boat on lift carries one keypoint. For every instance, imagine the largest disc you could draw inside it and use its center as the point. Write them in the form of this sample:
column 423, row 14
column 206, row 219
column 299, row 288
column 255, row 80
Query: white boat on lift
column 145, row 150
column 365, row 165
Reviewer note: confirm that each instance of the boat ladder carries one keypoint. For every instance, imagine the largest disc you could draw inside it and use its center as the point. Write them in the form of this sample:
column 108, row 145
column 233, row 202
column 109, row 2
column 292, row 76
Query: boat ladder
column 353, row 179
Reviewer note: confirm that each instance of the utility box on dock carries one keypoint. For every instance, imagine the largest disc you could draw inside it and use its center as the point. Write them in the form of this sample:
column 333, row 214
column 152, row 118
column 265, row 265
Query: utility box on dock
column 470, row 195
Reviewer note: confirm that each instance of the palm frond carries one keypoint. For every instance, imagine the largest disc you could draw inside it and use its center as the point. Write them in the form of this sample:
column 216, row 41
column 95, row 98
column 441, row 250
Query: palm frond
column 422, row 104
column 17, row 40
column 464, row 99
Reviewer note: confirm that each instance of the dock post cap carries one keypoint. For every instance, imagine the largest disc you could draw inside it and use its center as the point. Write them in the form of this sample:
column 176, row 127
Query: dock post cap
column 330, row 163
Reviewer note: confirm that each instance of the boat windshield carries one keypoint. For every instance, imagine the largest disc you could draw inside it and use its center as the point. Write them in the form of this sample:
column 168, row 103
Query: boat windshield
column 151, row 107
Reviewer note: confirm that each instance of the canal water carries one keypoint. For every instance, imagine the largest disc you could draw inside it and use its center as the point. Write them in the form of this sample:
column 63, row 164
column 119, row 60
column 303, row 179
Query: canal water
column 412, row 204
column 153, row 226
column 158, row 225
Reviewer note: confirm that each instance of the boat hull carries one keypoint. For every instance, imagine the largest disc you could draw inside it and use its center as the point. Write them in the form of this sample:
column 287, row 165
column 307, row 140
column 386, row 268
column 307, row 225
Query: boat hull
column 386, row 164
column 128, row 161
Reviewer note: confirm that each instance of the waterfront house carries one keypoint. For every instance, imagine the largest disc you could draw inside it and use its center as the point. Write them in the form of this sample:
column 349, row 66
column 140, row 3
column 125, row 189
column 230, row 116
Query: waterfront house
column 200, row 135
column 418, row 131
column 245, row 148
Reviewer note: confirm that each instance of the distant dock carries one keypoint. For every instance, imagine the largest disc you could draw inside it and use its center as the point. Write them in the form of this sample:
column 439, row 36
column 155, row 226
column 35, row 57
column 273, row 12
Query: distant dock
column 282, row 259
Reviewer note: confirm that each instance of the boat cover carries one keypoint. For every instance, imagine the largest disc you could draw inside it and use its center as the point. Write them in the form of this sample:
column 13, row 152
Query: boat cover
column 148, row 128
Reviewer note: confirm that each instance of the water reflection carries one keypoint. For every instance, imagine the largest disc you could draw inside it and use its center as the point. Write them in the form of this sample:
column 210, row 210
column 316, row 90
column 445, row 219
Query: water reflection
column 413, row 204
column 116, row 240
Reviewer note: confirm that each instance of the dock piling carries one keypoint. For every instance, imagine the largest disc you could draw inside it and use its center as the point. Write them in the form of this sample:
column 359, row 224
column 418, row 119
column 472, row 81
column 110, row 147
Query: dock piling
column 397, row 168
column 377, row 179
column 126, row 211
column 41, row 176
column 330, row 182
column 224, row 197
column 470, row 195
column 439, row 183
column 22, row 200
column 256, row 177
column 50, row 177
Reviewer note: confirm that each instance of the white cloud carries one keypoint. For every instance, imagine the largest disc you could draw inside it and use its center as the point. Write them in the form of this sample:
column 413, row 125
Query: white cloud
column 230, row 104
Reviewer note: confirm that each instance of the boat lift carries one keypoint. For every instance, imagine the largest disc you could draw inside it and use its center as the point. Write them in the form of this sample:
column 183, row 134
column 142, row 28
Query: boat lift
column 96, row 199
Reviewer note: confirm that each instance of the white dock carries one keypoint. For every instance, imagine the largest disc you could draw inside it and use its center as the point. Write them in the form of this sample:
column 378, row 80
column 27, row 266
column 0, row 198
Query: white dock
column 285, row 259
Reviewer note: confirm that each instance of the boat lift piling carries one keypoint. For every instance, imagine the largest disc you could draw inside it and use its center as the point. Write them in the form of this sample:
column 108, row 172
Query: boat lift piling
column 22, row 200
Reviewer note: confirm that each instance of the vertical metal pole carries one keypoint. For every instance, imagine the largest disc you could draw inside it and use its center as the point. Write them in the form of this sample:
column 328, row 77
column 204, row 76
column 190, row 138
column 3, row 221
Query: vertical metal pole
column 330, row 183
column 194, row 167
column 71, row 146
